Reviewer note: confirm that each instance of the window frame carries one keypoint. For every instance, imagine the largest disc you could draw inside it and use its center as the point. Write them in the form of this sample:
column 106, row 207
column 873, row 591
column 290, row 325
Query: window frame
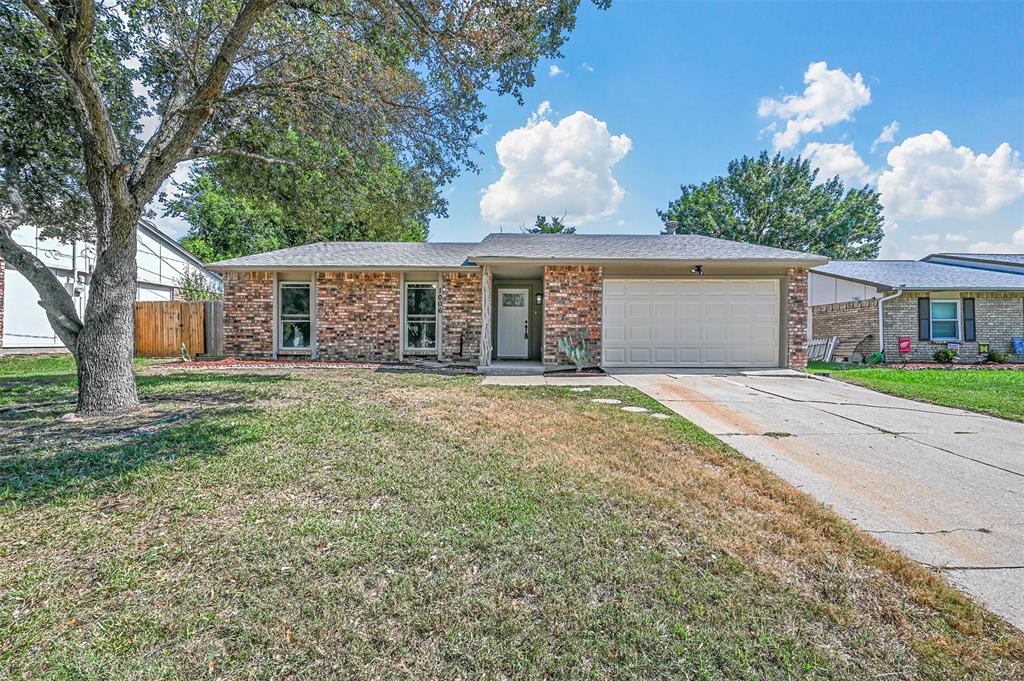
column 282, row 318
column 407, row 317
column 958, row 320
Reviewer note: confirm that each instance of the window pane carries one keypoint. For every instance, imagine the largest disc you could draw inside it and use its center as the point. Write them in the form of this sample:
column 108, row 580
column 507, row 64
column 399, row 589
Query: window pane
column 295, row 300
column 295, row 334
column 944, row 311
column 420, row 335
column 420, row 299
column 943, row 329
column 513, row 299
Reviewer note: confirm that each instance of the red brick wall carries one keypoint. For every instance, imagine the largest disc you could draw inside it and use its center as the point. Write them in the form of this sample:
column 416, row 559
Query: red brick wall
column 796, row 322
column 461, row 315
column 572, row 301
column 249, row 314
column 357, row 316
column 855, row 318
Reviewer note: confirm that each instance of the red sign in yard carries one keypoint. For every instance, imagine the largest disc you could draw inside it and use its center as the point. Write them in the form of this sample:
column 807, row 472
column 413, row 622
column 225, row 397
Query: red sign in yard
column 904, row 345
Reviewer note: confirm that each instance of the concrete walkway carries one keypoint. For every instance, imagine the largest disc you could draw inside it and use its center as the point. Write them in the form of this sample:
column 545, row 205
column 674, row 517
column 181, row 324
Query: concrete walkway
column 944, row 486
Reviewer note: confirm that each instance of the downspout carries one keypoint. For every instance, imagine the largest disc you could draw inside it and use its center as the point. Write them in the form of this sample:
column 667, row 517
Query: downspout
column 881, row 319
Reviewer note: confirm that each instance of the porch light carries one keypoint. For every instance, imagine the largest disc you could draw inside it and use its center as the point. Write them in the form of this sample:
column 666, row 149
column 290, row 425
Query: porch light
column 539, row 298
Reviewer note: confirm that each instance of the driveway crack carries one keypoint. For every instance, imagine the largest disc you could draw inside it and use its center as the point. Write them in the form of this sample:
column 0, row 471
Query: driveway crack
column 983, row 530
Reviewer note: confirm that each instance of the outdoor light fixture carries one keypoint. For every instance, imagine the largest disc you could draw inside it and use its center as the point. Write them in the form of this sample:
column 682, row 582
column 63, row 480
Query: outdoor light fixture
column 539, row 298
column 698, row 270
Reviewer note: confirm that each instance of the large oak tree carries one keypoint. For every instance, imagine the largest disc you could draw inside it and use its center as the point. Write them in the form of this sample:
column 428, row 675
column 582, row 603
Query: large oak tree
column 399, row 72
column 775, row 201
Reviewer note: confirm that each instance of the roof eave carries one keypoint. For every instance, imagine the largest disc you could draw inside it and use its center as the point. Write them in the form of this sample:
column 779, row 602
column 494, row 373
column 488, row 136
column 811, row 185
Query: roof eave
column 883, row 286
column 781, row 262
column 265, row 267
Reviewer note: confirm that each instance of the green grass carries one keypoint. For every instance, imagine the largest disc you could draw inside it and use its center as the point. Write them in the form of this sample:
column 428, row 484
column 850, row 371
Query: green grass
column 357, row 523
column 996, row 392
column 41, row 378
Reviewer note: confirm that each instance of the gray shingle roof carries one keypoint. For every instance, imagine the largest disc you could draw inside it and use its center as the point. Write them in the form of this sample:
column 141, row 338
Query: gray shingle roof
column 628, row 247
column 355, row 254
column 916, row 275
column 1008, row 258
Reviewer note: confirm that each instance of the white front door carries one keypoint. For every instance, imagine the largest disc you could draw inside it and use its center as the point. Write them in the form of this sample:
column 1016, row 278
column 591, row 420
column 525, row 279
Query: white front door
column 513, row 323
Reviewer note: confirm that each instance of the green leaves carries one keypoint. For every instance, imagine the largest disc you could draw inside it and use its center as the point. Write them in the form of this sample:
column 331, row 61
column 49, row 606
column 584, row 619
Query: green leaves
column 774, row 201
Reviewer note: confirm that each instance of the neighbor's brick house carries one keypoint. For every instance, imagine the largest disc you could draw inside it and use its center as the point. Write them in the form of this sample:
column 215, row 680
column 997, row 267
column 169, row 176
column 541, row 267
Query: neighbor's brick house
column 651, row 300
column 931, row 303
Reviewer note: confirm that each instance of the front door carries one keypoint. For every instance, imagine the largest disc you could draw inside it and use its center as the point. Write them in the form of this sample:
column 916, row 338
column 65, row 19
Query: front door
column 513, row 323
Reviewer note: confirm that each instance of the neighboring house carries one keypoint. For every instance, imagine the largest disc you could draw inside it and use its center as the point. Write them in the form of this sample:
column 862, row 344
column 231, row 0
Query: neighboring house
column 644, row 301
column 161, row 264
column 996, row 262
column 934, row 302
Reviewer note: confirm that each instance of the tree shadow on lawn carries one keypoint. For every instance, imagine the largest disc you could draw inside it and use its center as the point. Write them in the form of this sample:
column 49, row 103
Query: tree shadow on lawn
column 43, row 459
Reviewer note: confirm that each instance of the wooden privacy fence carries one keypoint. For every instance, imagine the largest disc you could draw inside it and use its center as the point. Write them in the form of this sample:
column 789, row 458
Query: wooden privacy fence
column 162, row 327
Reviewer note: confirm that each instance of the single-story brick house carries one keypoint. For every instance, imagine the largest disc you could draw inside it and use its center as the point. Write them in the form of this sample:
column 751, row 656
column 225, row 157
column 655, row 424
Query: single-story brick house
column 645, row 300
column 929, row 303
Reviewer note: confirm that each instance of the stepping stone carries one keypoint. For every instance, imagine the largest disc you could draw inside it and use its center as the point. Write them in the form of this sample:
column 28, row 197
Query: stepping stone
column 658, row 415
column 580, row 390
column 606, row 400
column 635, row 410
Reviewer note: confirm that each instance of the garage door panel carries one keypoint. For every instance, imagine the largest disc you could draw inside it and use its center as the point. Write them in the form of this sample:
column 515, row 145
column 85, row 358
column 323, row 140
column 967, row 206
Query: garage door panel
column 691, row 322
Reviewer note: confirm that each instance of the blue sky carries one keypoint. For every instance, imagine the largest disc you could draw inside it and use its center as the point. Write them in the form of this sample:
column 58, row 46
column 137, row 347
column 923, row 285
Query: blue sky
column 684, row 82
column 652, row 95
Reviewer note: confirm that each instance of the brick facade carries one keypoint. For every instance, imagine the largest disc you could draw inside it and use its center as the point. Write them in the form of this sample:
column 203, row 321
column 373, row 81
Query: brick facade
column 249, row 314
column 847, row 320
column 461, row 316
column 357, row 316
column 572, row 301
column 999, row 316
column 796, row 318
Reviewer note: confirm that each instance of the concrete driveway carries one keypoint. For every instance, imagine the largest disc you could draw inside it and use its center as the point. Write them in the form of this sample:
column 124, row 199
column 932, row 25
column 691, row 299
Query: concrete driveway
column 944, row 486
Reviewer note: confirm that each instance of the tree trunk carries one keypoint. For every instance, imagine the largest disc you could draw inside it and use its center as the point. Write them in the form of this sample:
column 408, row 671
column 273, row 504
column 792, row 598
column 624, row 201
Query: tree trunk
column 106, row 344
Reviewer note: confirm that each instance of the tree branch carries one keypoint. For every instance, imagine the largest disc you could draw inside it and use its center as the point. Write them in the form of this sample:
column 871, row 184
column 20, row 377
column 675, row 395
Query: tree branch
column 172, row 140
column 206, row 152
column 53, row 297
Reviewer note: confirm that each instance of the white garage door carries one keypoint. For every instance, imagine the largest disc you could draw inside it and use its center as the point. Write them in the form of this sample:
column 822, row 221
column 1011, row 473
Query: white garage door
column 691, row 322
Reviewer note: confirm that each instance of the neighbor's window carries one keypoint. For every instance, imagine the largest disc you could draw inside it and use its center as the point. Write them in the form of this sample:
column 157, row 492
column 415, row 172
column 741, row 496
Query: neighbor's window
column 294, row 317
column 420, row 316
column 945, row 320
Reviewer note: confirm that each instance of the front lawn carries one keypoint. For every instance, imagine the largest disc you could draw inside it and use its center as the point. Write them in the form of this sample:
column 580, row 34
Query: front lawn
column 999, row 392
column 361, row 523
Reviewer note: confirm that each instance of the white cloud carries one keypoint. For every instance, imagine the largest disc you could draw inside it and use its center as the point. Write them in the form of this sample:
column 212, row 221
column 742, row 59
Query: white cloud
column 829, row 98
column 928, row 179
column 554, row 71
column 838, row 159
column 562, row 168
column 542, row 112
column 887, row 136
column 587, row 67
column 957, row 238
column 926, row 237
column 1015, row 245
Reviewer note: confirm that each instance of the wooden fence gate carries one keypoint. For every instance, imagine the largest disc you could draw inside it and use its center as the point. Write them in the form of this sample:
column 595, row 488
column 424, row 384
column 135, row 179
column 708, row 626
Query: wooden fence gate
column 162, row 327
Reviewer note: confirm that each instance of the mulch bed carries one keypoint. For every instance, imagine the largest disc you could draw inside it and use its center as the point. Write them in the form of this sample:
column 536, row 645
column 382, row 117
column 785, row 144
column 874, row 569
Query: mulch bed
column 233, row 363
column 919, row 366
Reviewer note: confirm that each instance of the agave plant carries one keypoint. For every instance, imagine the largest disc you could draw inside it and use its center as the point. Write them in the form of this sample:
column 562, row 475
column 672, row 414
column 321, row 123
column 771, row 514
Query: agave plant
column 574, row 346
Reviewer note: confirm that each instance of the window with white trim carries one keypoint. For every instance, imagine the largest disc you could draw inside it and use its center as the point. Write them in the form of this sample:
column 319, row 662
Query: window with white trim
column 945, row 316
column 420, row 317
column 294, row 319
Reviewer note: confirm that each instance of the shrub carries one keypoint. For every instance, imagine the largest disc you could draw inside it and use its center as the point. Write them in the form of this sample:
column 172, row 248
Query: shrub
column 574, row 346
column 997, row 357
column 945, row 356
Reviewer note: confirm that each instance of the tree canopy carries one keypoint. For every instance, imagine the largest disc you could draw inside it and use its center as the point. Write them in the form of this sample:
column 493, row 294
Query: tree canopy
column 774, row 201
column 239, row 206
column 554, row 225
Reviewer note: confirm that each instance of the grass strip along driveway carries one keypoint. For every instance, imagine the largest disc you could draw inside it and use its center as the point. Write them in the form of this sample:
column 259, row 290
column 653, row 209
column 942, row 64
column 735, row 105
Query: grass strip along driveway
column 997, row 392
column 373, row 523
